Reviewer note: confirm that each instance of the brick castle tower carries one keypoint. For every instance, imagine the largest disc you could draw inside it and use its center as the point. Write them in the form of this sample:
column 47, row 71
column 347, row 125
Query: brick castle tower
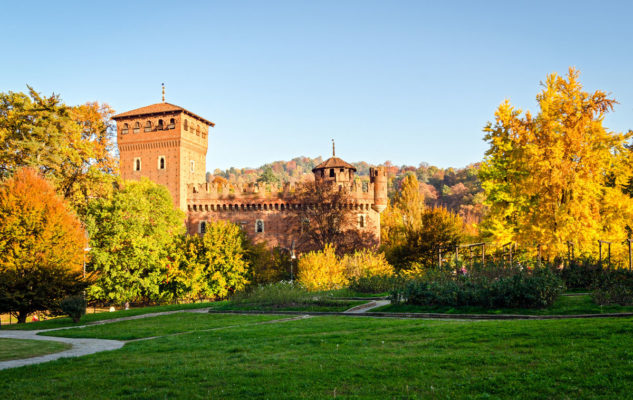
column 166, row 144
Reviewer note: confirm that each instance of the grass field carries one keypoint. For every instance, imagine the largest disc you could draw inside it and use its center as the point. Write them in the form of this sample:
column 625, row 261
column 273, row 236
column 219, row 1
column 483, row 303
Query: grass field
column 341, row 357
column 564, row 305
column 65, row 321
column 13, row 349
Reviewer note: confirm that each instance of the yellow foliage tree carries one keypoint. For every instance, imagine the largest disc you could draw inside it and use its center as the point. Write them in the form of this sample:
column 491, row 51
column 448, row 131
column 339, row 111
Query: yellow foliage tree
column 321, row 270
column 366, row 263
column 557, row 176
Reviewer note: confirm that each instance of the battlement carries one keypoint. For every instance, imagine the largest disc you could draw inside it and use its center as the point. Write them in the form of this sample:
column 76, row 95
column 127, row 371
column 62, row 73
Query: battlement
column 264, row 192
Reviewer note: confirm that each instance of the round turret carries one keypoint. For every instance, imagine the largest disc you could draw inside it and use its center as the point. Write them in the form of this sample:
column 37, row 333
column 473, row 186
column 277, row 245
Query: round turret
column 378, row 176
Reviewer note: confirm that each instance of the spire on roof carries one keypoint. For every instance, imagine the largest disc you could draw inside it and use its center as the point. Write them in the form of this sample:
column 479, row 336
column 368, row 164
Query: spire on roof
column 163, row 85
column 333, row 149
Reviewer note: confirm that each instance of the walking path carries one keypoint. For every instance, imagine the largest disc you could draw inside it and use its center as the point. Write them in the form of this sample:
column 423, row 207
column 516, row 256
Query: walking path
column 82, row 347
column 363, row 308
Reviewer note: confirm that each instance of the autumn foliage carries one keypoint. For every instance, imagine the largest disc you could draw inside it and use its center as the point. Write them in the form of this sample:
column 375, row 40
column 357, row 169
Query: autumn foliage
column 558, row 176
column 41, row 246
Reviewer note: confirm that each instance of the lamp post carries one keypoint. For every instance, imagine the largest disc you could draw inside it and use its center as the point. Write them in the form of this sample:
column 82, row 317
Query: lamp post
column 292, row 259
column 87, row 249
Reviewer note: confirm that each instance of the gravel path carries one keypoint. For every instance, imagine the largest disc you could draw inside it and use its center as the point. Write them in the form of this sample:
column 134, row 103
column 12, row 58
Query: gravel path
column 363, row 308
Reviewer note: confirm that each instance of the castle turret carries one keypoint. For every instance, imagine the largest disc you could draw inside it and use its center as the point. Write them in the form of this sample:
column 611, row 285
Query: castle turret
column 378, row 176
column 334, row 170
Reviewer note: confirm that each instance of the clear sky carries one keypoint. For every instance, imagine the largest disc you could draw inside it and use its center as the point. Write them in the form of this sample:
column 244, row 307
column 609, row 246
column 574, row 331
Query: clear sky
column 391, row 80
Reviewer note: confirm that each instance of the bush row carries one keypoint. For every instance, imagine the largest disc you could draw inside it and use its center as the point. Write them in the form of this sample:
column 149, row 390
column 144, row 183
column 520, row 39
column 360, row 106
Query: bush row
column 522, row 289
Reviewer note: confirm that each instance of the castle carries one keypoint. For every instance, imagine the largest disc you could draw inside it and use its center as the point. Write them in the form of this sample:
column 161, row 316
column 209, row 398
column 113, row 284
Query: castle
column 168, row 144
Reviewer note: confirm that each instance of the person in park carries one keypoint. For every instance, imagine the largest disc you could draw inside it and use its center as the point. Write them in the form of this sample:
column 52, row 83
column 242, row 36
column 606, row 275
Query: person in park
column 41, row 246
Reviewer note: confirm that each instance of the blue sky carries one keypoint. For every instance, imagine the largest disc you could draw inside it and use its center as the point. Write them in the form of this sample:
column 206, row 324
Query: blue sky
column 392, row 80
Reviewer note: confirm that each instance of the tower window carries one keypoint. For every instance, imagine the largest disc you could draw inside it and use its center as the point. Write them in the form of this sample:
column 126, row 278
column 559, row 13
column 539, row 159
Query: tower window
column 161, row 162
column 361, row 220
column 259, row 226
column 137, row 164
column 172, row 124
column 160, row 125
column 137, row 127
column 198, row 130
column 332, row 174
column 148, row 126
column 186, row 125
column 202, row 227
column 342, row 170
column 193, row 166
column 125, row 129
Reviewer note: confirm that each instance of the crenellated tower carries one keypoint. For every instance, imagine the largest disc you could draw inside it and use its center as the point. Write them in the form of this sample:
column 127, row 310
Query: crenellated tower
column 165, row 143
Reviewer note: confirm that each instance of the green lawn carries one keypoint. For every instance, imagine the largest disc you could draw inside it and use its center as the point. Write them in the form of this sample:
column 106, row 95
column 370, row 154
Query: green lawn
column 342, row 357
column 323, row 305
column 13, row 349
column 564, row 305
column 65, row 321
column 160, row 326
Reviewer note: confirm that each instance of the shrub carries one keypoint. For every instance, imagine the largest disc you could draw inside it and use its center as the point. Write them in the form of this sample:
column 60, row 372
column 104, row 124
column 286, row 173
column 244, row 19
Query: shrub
column 580, row 274
column 280, row 293
column 321, row 270
column 375, row 283
column 521, row 289
column 74, row 307
column 613, row 287
column 366, row 263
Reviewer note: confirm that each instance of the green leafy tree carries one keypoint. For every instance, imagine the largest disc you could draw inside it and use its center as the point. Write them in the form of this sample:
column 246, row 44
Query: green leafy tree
column 41, row 246
column 131, row 234
column 268, row 176
column 223, row 255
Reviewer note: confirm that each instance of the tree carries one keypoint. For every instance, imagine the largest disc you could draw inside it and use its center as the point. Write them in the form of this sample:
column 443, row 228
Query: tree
column 324, row 219
column 558, row 176
column 226, row 267
column 268, row 176
column 130, row 236
column 71, row 146
column 440, row 229
column 41, row 246
column 403, row 214
column 209, row 266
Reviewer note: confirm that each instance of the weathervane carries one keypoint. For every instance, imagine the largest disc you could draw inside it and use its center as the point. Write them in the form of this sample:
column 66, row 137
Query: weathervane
column 333, row 149
column 163, row 85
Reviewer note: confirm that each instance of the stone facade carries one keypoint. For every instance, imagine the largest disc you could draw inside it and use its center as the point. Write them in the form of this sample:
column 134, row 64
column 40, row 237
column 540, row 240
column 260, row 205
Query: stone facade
column 168, row 145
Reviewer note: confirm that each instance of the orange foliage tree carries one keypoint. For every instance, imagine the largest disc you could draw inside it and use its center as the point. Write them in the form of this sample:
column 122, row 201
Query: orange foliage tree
column 41, row 246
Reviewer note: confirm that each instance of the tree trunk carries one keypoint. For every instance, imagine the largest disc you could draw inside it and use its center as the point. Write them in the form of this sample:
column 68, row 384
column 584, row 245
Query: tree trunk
column 22, row 317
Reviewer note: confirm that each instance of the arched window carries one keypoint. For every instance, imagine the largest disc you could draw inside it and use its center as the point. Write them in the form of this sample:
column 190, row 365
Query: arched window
column 198, row 130
column 148, row 126
column 125, row 129
column 137, row 164
column 160, row 125
column 172, row 124
column 193, row 166
column 186, row 125
column 161, row 162
column 202, row 227
column 137, row 127
column 259, row 226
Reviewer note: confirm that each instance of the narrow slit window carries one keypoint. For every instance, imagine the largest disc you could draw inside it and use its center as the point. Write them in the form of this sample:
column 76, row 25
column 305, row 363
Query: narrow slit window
column 137, row 164
column 161, row 162
column 259, row 226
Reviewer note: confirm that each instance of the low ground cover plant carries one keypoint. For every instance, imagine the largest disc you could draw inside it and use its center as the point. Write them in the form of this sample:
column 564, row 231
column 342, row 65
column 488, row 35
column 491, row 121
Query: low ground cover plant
column 484, row 287
column 283, row 294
